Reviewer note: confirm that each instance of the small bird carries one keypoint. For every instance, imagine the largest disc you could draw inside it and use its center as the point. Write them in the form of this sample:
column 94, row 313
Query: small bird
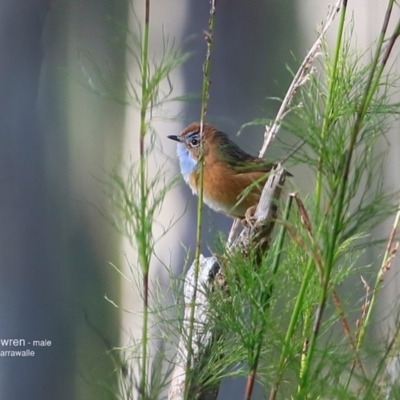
column 228, row 170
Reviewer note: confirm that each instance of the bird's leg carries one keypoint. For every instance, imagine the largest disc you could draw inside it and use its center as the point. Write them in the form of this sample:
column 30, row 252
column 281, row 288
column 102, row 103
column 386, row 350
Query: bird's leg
column 248, row 219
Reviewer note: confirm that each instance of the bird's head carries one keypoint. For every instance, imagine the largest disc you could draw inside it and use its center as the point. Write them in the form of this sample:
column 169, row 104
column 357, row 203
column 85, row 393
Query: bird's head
column 189, row 140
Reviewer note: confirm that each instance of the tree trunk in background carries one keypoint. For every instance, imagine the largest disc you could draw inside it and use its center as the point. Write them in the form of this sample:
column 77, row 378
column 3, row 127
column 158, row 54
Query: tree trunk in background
column 56, row 142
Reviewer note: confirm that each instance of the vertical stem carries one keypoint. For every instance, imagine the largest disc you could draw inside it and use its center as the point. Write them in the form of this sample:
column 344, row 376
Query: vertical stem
column 370, row 89
column 329, row 105
column 379, row 279
column 267, row 296
column 290, row 330
column 368, row 99
column 143, row 239
column 318, row 194
column 205, row 94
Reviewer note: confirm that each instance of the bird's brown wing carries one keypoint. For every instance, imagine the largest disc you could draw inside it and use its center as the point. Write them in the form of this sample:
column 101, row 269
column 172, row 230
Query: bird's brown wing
column 255, row 165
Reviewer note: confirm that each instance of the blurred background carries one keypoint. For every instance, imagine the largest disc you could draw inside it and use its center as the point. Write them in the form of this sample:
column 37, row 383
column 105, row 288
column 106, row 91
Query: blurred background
column 59, row 139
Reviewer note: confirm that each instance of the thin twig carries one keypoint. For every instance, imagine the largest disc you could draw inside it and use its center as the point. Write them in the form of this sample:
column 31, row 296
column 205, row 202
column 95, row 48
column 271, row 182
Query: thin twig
column 361, row 321
column 201, row 338
column 204, row 102
column 143, row 251
column 300, row 77
column 266, row 300
column 318, row 263
column 391, row 250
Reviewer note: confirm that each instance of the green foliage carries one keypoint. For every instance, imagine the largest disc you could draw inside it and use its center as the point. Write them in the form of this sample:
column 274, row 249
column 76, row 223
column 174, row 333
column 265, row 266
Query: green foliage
column 292, row 324
column 136, row 198
column 283, row 321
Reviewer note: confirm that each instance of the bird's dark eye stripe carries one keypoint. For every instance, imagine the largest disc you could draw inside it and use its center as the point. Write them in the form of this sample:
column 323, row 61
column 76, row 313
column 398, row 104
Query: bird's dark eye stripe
column 192, row 134
column 193, row 139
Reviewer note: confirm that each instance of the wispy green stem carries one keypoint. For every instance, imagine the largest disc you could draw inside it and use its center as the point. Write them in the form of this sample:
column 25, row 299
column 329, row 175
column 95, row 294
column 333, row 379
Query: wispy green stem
column 277, row 249
column 291, row 328
column 374, row 86
column 369, row 91
column 329, row 105
column 280, row 239
column 379, row 279
column 204, row 101
column 143, row 240
column 318, row 195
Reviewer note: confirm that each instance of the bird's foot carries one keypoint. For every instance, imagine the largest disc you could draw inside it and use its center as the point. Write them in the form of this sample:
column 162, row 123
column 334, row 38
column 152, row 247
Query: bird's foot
column 248, row 220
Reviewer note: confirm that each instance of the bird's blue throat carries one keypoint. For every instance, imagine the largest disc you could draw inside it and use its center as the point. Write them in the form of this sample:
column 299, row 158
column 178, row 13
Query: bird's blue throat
column 186, row 162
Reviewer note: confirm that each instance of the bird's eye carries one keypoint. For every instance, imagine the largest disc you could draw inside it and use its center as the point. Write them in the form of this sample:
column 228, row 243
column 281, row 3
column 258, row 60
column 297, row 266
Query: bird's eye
column 194, row 142
column 192, row 139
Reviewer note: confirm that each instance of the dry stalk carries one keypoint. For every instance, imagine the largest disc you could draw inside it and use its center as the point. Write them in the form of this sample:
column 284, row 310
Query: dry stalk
column 301, row 76
column 315, row 253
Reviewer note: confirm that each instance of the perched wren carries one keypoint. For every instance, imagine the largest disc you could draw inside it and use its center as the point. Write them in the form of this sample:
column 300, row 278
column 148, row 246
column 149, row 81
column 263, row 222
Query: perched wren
column 228, row 170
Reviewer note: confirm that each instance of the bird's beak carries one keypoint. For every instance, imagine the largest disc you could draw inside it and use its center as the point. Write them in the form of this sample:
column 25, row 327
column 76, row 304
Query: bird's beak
column 174, row 137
